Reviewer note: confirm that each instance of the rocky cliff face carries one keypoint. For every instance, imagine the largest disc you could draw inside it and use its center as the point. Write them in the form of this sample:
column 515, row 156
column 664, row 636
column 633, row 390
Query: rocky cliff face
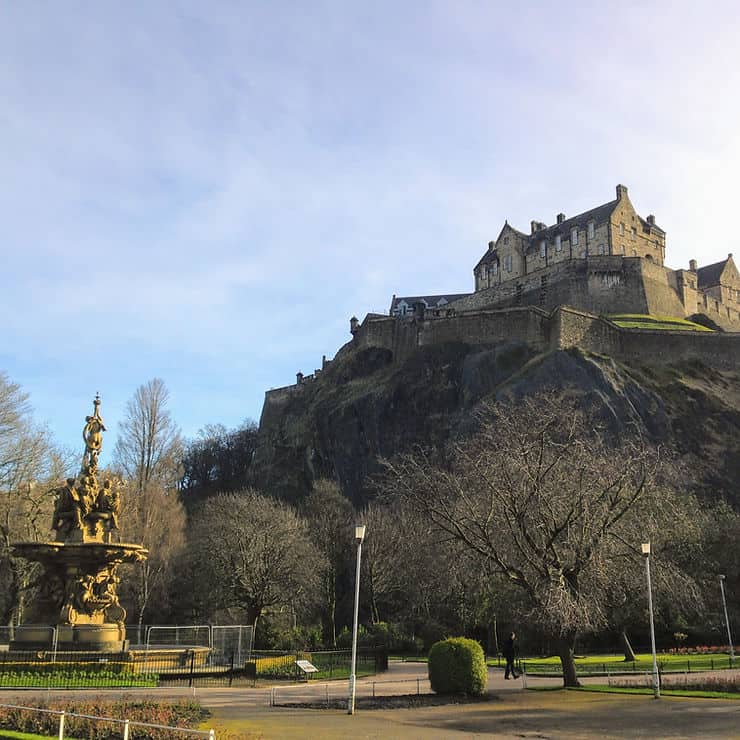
column 365, row 407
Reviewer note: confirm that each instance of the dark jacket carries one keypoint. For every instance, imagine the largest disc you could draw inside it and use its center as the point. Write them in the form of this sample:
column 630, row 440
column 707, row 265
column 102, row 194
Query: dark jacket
column 510, row 648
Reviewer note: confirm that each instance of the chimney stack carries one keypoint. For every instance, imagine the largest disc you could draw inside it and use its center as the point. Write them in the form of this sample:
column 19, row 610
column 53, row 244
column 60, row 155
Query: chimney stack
column 651, row 219
column 561, row 218
column 692, row 265
column 354, row 325
column 533, row 225
column 491, row 246
column 621, row 192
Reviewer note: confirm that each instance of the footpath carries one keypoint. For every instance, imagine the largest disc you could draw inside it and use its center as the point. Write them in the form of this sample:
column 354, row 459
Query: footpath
column 512, row 712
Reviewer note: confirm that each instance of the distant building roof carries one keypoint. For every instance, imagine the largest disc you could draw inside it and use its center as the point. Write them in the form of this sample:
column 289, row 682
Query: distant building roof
column 430, row 301
column 710, row 275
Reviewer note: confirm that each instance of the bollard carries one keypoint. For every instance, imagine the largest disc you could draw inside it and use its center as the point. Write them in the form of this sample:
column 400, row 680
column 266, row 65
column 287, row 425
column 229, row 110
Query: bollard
column 373, row 689
column 418, row 686
column 212, row 735
column 61, row 726
column 327, row 696
column 125, row 730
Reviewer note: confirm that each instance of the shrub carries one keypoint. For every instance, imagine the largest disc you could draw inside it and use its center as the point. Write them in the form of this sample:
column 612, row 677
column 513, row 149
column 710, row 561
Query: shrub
column 457, row 666
column 180, row 714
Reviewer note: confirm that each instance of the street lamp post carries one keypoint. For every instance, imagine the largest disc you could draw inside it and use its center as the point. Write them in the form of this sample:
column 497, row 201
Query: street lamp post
column 727, row 620
column 359, row 537
column 656, row 677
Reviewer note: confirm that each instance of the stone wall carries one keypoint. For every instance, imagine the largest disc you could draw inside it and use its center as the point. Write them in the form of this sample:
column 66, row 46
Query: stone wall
column 564, row 327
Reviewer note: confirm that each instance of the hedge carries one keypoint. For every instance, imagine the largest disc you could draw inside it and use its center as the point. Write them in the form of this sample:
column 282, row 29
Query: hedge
column 457, row 666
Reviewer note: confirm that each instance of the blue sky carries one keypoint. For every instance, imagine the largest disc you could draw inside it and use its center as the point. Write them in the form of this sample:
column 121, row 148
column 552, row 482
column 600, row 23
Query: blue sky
column 206, row 192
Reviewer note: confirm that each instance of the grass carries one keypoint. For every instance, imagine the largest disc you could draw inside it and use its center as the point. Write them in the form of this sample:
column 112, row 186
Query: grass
column 688, row 693
column 13, row 735
column 643, row 662
column 660, row 322
column 75, row 679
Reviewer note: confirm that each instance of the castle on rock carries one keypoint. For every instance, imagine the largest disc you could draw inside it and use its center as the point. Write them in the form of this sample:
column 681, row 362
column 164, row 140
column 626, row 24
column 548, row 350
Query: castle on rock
column 608, row 260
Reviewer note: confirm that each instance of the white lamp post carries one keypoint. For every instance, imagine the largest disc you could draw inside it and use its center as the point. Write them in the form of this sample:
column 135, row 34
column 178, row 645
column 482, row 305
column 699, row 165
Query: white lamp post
column 656, row 677
column 359, row 537
column 727, row 621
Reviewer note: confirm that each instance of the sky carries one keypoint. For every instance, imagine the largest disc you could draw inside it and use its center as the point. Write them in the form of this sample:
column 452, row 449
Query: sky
column 206, row 192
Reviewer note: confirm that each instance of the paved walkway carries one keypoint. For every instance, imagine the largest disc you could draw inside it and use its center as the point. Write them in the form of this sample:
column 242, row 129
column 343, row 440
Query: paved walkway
column 246, row 712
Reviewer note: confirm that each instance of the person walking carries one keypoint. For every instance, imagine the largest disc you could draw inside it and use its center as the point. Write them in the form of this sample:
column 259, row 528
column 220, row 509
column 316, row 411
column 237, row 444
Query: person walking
column 511, row 650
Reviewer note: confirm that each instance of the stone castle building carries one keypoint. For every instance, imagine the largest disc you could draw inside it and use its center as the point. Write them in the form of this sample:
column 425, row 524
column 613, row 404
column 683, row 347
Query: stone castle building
column 559, row 287
column 607, row 260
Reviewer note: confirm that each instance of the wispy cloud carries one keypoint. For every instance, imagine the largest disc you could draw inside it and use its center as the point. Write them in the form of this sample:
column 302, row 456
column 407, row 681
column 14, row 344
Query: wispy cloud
column 207, row 193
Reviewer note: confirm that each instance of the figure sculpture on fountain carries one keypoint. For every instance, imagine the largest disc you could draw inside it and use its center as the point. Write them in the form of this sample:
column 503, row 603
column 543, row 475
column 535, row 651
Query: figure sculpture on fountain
column 83, row 511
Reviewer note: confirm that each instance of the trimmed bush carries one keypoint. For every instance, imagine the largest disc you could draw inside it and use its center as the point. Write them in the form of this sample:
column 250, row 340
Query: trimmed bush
column 457, row 666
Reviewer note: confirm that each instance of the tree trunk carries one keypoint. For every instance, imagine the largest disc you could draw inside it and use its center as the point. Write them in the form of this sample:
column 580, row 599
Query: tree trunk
column 253, row 614
column 629, row 653
column 566, row 649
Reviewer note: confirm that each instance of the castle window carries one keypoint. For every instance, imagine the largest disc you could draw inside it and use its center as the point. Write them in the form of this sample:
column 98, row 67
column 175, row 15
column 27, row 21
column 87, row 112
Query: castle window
column 494, row 268
column 621, row 229
column 573, row 237
column 558, row 245
column 634, row 231
column 543, row 247
column 601, row 249
column 506, row 240
column 590, row 229
column 507, row 263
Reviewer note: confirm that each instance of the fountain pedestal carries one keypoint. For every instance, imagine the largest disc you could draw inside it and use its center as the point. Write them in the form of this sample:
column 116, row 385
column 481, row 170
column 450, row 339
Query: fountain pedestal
column 79, row 596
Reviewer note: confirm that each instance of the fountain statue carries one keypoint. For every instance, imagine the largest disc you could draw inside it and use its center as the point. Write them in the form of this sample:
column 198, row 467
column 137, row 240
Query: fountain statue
column 77, row 607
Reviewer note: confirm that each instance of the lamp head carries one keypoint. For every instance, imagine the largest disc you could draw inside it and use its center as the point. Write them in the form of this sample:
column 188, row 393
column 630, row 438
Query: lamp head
column 360, row 533
column 722, row 577
column 645, row 549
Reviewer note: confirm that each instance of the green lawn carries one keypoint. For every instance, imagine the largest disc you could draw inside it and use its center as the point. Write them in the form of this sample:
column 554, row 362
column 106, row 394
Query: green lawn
column 75, row 679
column 645, row 321
column 616, row 663
column 691, row 693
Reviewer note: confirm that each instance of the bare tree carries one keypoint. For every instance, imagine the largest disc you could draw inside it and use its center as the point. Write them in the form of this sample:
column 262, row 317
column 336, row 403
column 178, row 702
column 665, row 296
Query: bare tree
column 29, row 463
column 255, row 553
column 149, row 445
column 330, row 517
column 545, row 495
column 147, row 457
column 156, row 519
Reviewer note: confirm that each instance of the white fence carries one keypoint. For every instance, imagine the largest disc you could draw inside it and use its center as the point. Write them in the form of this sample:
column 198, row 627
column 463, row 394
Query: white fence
column 229, row 644
column 125, row 723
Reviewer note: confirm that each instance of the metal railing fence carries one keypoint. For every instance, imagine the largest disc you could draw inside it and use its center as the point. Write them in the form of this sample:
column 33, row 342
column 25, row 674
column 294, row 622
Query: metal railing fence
column 335, row 693
column 693, row 663
column 126, row 723
column 148, row 669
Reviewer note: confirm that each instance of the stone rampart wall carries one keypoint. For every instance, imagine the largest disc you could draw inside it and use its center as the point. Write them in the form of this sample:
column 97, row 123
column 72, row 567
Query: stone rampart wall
column 564, row 327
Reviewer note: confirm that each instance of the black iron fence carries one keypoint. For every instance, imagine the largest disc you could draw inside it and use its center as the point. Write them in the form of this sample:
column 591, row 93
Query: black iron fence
column 188, row 666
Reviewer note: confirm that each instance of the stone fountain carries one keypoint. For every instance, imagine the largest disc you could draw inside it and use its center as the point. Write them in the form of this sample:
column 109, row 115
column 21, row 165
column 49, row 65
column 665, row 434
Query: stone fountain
column 77, row 607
